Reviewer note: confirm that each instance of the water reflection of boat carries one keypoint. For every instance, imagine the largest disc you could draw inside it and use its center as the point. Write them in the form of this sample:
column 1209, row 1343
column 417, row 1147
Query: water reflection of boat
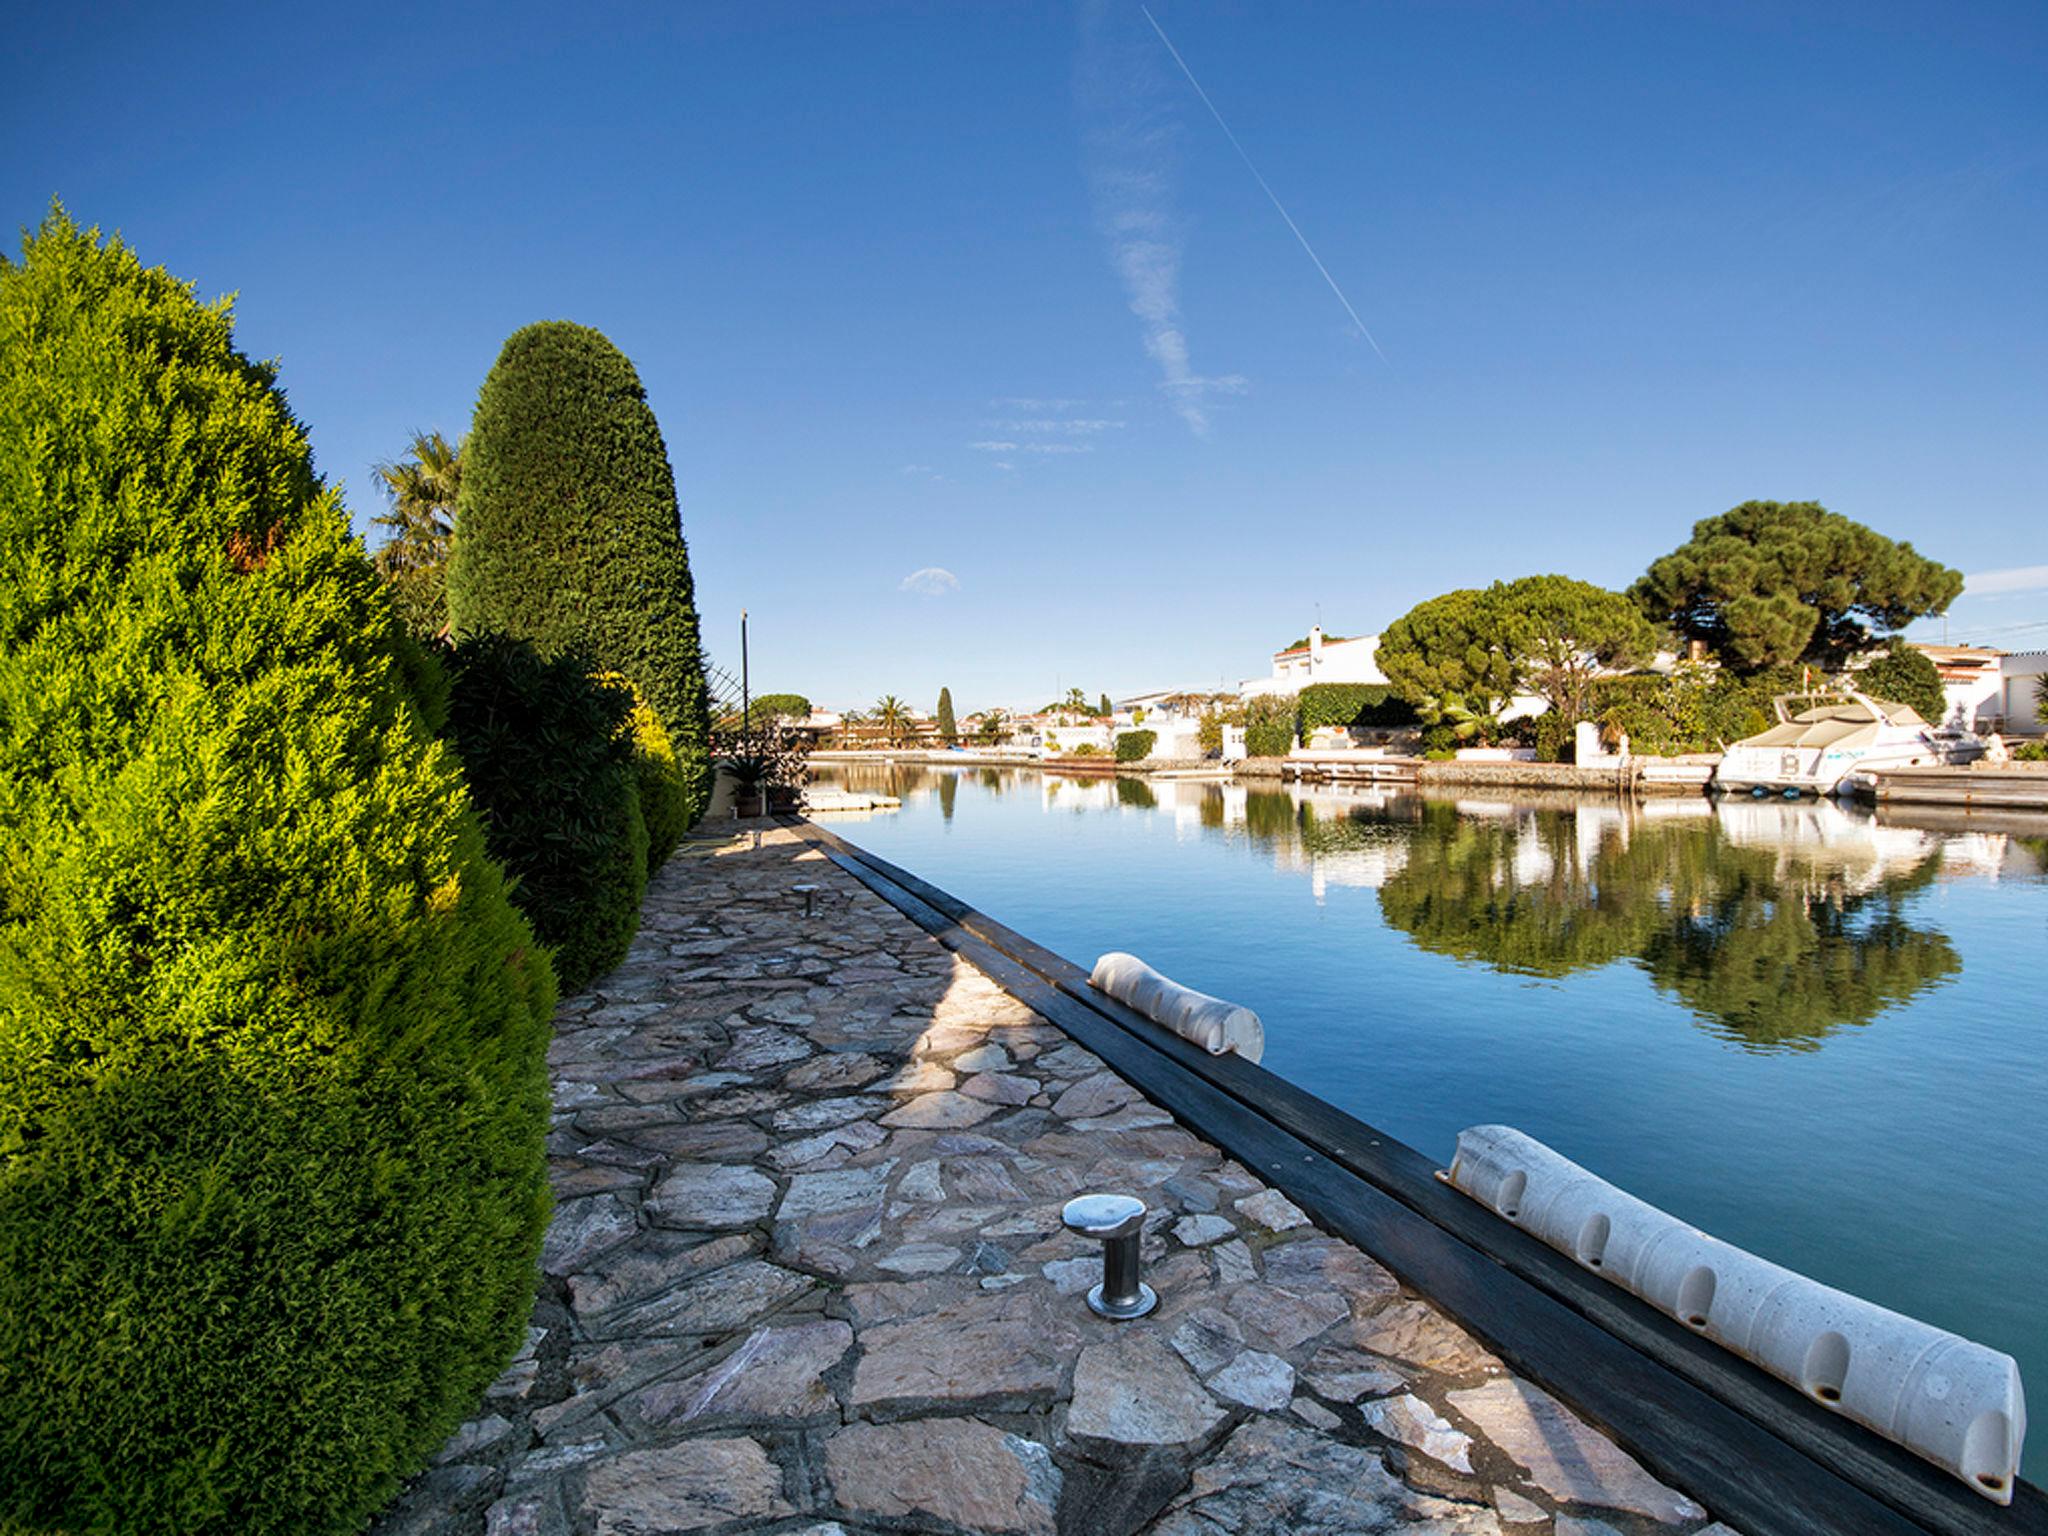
column 1823, row 840
column 1813, row 751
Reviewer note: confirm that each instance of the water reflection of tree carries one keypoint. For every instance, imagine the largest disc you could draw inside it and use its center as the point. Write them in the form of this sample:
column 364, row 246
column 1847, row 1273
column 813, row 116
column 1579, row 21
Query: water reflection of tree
column 1778, row 967
column 1510, row 895
column 1135, row 793
column 949, row 791
column 1770, row 958
column 1269, row 813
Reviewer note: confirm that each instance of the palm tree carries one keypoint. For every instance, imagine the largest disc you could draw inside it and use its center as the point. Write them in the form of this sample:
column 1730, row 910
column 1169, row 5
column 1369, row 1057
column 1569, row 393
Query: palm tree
column 893, row 716
column 422, row 491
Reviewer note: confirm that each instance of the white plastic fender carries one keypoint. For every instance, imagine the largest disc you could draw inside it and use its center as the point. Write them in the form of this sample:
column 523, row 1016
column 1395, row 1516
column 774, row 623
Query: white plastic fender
column 1941, row 1396
column 1210, row 1022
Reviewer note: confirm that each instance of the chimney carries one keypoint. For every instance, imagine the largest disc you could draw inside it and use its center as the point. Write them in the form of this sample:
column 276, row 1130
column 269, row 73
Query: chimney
column 1315, row 644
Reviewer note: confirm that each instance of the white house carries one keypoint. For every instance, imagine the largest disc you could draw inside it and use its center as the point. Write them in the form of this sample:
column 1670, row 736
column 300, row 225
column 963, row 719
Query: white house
column 1990, row 690
column 1321, row 659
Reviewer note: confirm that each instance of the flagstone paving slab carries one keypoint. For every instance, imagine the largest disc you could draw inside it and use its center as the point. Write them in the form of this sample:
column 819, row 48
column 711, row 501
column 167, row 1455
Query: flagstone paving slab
column 806, row 1275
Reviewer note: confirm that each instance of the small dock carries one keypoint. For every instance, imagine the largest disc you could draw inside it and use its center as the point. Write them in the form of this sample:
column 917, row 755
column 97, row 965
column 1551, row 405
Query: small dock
column 832, row 801
column 1975, row 788
column 1348, row 768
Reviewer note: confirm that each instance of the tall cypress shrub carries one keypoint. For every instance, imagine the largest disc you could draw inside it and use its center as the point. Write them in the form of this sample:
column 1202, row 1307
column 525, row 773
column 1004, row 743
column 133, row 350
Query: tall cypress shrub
column 567, row 531
column 949, row 728
column 272, row 1088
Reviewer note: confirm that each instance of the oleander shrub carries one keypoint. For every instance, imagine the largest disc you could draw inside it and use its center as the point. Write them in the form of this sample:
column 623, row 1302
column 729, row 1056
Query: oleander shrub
column 272, row 1081
column 664, row 797
column 549, row 751
column 1905, row 676
column 1268, row 727
column 567, row 531
column 1352, row 705
column 1694, row 709
column 1135, row 746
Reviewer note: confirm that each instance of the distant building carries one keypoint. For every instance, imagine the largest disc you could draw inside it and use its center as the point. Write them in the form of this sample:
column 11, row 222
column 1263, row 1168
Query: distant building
column 1319, row 659
column 1990, row 690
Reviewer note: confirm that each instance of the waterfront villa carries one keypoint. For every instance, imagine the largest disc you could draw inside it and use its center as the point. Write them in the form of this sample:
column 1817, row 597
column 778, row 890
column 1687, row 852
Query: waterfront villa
column 1990, row 690
column 1319, row 659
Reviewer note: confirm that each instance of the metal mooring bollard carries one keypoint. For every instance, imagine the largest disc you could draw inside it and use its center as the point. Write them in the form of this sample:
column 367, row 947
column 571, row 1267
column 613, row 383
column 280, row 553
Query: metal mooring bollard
column 1114, row 1221
column 809, row 893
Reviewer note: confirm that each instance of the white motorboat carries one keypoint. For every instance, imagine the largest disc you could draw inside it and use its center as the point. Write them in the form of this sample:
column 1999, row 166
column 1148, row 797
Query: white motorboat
column 1813, row 751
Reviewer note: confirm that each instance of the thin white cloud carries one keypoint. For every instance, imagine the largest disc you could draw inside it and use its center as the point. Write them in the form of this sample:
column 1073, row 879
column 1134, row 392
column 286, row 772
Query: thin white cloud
column 1004, row 464
column 932, row 581
column 2016, row 578
column 997, row 447
column 917, row 469
column 1035, row 403
column 1071, row 427
column 1129, row 161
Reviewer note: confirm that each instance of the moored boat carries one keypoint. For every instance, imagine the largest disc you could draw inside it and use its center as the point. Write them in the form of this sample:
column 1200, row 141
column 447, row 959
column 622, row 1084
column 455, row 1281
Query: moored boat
column 1814, row 751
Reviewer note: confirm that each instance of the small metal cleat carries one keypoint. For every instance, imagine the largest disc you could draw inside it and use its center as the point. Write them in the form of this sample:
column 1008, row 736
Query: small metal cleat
column 1114, row 1221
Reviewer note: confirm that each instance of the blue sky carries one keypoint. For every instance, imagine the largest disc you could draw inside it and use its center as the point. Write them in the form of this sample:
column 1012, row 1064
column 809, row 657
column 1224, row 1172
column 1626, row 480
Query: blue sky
column 1628, row 264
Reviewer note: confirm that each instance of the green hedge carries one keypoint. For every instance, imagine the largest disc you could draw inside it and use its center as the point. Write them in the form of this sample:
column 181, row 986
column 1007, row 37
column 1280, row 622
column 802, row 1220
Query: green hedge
column 272, row 1087
column 1135, row 746
column 550, row 759
column 1362, row 705
column 567, row 531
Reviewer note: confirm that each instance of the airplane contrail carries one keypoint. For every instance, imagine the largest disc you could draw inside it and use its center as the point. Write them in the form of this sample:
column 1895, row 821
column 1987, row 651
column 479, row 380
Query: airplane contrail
column 1277, row 204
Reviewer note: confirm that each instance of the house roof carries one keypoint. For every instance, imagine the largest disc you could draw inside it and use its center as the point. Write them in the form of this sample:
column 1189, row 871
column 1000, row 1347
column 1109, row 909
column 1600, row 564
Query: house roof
column 1961, row 663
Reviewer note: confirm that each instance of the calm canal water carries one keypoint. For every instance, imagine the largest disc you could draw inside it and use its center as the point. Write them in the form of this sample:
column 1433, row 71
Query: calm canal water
column 1814, row 1033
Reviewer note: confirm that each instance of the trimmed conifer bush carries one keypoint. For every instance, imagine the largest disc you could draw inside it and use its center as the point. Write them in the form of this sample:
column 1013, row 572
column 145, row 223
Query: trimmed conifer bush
column 664, row 797
column 272, row 1088
column 550, row 753
column 567, row 531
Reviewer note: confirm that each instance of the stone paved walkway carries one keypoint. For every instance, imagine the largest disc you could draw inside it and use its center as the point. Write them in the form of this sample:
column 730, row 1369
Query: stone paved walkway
column 807, row 1274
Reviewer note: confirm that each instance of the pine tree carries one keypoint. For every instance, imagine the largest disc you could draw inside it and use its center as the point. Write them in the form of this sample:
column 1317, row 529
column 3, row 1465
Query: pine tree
column 1770, row 584
column 567, row 531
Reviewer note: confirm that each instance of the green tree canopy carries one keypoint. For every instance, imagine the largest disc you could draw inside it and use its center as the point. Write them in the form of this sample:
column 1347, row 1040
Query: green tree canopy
column 272, row 1085
column 949, row 729
column 422, row 490
column 1905, row 676
column 1771, row 583
column 567, row 531
column 1562, row 632
column 771, row 707
column 1452, row 653
column 1103, row 708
